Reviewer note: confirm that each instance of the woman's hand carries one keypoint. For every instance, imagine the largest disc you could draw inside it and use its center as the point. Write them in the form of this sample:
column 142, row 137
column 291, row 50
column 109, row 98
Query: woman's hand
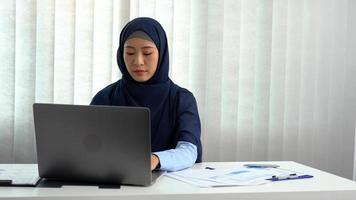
column 154, row 161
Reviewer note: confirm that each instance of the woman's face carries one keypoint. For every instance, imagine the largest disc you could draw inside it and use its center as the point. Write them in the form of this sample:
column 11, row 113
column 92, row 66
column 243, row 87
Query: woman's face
column 141, row 58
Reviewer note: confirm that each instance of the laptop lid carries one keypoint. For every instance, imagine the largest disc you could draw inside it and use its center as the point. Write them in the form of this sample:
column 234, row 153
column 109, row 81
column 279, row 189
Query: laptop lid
column 98, row 144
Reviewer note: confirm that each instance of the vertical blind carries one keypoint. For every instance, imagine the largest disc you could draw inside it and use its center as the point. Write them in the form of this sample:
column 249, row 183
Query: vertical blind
column 274, row 79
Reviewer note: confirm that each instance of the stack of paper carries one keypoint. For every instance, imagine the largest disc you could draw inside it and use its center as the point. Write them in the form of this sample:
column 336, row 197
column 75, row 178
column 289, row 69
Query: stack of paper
column 240, row 176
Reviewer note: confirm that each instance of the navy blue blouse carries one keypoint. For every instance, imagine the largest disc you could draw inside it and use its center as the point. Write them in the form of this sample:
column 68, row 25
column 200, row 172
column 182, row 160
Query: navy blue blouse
column 174, row 112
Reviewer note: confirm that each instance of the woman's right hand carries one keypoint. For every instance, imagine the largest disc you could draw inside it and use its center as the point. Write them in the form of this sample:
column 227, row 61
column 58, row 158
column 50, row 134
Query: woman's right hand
column 154, row 161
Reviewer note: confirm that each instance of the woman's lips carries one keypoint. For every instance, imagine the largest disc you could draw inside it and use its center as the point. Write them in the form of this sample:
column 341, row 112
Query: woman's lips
column 139, row 72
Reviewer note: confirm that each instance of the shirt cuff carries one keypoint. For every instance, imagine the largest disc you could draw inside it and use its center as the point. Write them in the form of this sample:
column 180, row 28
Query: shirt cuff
column 183, row 156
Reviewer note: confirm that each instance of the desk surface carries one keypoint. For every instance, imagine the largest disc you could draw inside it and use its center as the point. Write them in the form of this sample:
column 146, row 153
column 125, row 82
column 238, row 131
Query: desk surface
column 323, row 186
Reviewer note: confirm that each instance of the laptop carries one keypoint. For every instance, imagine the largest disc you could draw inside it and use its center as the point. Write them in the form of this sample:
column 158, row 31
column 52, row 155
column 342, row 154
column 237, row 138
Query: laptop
column 94, row 144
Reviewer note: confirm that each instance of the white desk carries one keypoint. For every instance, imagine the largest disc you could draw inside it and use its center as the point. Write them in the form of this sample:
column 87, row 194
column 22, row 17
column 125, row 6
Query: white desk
column 323, row 186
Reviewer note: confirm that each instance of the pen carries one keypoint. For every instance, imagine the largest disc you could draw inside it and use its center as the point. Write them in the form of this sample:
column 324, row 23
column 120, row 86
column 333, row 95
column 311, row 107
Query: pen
column 285, row 176
column 260, row 165
column 211, row 168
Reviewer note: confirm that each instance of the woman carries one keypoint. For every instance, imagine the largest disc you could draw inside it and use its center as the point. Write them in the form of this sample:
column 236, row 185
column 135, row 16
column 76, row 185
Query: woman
column 175, row 125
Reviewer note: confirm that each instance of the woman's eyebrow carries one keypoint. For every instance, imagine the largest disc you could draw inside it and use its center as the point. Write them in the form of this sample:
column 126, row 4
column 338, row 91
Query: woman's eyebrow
column 145, row 47
column 128, row 46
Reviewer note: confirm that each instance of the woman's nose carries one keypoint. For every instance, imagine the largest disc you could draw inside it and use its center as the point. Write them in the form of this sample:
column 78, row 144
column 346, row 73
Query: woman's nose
column 138, row 60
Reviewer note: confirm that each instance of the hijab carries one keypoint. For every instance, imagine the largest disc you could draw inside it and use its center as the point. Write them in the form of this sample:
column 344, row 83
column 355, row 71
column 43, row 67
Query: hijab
column 165, row 99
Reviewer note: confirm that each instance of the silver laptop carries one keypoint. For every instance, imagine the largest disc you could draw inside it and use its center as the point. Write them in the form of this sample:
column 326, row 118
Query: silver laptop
column 94, row 144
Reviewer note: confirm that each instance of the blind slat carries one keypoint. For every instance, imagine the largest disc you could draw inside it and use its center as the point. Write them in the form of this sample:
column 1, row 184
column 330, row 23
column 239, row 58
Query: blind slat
column 7, row 79
column 25, row 68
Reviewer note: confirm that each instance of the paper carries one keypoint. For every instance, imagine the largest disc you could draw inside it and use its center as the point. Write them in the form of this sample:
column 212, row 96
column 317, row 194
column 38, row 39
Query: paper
column 20, row 174
column 240, row 176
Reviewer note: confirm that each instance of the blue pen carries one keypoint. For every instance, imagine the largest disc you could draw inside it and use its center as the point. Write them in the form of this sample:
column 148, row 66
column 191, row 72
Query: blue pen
column 289, row 177
column 285, row 176
column 260, row 165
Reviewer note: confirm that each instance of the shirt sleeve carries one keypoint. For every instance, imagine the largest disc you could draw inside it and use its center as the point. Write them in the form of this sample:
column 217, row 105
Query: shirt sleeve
column 183, row 156
column 188, row 126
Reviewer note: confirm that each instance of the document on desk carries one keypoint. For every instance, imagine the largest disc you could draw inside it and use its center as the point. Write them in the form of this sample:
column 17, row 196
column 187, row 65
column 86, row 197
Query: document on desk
column 239, row 176
column 19, row 174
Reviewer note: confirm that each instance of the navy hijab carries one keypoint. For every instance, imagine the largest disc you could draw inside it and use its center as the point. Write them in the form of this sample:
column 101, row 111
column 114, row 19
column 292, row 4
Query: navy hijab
column 174, row 114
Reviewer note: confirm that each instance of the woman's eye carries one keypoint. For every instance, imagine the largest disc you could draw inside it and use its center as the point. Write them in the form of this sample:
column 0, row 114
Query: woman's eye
column 147, row 53
column 129, row 53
